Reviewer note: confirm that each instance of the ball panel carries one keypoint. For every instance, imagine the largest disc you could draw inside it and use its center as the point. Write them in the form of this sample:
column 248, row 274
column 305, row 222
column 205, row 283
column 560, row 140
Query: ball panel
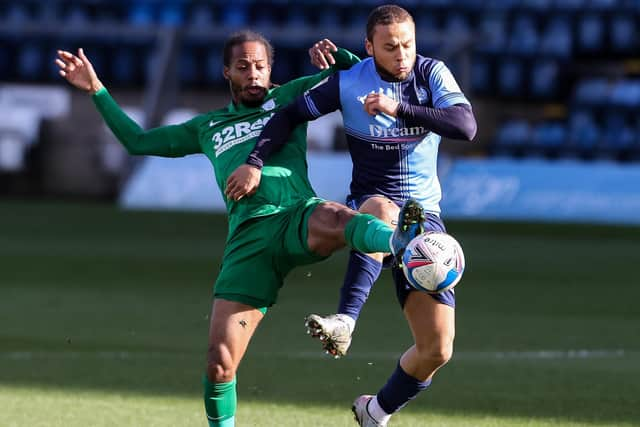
column 433, row 262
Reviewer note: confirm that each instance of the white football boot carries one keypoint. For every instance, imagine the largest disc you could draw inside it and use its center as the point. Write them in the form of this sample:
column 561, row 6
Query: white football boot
column 334, row 331
column 361, row 412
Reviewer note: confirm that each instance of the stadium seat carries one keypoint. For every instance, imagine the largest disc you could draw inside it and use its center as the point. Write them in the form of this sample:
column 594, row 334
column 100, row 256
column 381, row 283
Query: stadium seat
column 536, row 4
column 584, row 134
column 626, row 93
column 456, row 25
column 617, row 135
column 31, row 61
column 544, row 79
column 571, row 5
column 492, row 34
column 124, row 62
column 481, row 76
column 548, row 138
column 623, row 33
column 213, row 67
column 593, row 91
column 511, row 78
column 76, row 16
column 512, row 136
column 235, row 15
column 591, row 33
column 557, row 39
column 603, row 4
column 201, row 17
column 141, row 13
column 17, row 13
column 524, row 37
column 171, row 14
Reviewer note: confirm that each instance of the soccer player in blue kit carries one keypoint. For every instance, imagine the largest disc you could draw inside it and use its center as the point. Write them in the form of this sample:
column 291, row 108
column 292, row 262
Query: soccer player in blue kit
column 396, row 105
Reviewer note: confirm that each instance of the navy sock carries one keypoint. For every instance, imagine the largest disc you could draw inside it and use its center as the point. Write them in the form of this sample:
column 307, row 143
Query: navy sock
column 362, row 272
column 399, row 390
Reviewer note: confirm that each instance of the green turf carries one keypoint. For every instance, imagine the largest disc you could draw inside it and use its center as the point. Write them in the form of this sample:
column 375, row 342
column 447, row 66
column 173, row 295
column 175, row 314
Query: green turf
column 103, row 322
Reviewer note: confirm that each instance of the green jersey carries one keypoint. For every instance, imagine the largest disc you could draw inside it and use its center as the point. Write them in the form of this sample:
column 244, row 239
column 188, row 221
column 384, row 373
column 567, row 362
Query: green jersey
column 227, row 136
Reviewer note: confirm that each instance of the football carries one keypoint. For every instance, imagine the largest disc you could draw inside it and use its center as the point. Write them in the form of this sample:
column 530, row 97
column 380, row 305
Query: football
column 433, row 262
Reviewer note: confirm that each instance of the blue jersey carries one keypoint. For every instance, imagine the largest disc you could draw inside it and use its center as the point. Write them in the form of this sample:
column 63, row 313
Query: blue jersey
column 391, row 157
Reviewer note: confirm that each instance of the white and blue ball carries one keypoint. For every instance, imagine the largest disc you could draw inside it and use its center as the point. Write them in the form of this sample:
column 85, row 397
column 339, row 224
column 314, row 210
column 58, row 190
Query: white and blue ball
column 433, row 262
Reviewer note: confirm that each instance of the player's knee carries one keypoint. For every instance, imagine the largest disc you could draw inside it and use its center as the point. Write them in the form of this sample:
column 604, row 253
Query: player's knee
column 382, row 208
column 437, row 353
column 220, row 369
column 219, row 372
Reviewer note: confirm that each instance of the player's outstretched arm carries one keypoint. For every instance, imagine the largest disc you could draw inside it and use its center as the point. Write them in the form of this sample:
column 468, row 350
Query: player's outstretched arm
column 166, row 141
column 78, row 71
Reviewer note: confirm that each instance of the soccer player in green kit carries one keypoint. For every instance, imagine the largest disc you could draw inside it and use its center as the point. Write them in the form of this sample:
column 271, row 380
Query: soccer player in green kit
column 279, row 226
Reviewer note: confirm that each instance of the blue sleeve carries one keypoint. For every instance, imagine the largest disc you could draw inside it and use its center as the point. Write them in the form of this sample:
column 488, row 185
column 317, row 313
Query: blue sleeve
column 445, row 91
column 316, row 102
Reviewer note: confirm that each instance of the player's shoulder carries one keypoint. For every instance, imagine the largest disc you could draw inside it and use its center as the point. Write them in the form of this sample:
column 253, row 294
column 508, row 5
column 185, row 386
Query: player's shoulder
column 427, row 66
column 360, row 72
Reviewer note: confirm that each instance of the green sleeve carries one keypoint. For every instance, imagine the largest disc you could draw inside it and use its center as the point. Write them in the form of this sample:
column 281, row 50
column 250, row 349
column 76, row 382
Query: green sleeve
column 344, row 61
column 166, row 141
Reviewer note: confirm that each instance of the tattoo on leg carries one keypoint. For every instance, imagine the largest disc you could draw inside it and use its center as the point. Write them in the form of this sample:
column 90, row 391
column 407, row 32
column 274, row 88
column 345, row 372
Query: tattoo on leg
column 243, row 323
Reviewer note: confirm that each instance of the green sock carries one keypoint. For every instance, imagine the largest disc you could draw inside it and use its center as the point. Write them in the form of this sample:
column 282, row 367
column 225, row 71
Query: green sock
column 368, row 234
column 220, row 402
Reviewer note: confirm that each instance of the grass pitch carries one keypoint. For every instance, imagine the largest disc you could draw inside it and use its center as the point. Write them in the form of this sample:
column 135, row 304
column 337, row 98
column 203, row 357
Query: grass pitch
column 104, row 317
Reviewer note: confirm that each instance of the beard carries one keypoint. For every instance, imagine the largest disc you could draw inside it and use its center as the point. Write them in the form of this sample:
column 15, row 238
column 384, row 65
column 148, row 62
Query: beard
column 241, row 95
column 389, row 76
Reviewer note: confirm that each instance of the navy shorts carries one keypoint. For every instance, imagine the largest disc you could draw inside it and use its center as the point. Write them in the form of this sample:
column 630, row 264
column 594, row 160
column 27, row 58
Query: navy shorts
column 403, row 288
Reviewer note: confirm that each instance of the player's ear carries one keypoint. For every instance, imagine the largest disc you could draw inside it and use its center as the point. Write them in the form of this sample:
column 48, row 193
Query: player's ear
column 368, row 46
column 225, row 72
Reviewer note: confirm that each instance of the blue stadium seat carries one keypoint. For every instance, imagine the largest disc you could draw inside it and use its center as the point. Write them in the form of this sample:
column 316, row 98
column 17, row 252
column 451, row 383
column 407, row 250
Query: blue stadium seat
column 623, row 33
column 603, row 4
column 536, row 4
column 201, row 16
column 524, row 37
column 593, row 91
column 584, row 132
column 76, row 16
column 513, row 133
column 31, row 61
column 617, row 135
column 171, row 14
column 544, row 78
column 502, row 4
column 557, row 39
column 511, row 78
column 549, row 137
column 47, row 12
column 570, row 4
column 235, row 15
column 481, row 76
column 626, row 93
column 591, row 33
column 188, row 69
column 493, row 36
column 297, row 19
column 456, row 25
column 123, row 66
column 17, row 14
column 141, row 13
column 213, row 67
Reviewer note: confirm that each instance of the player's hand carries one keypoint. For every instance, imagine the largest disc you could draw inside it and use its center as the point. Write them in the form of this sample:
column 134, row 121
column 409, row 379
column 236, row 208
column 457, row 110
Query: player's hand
column 376, row 103
column 320, row 54
column 78, row 71
column 244, row 181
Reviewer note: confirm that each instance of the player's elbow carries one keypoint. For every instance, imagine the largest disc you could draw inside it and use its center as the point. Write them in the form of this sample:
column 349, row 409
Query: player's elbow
column 469, row 126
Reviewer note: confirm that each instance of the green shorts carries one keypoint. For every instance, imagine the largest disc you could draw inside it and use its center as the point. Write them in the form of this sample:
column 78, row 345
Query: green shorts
column 261, row 252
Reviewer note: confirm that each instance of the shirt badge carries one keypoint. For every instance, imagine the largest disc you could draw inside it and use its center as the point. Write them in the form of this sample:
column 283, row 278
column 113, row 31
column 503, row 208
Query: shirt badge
column 269, row 105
